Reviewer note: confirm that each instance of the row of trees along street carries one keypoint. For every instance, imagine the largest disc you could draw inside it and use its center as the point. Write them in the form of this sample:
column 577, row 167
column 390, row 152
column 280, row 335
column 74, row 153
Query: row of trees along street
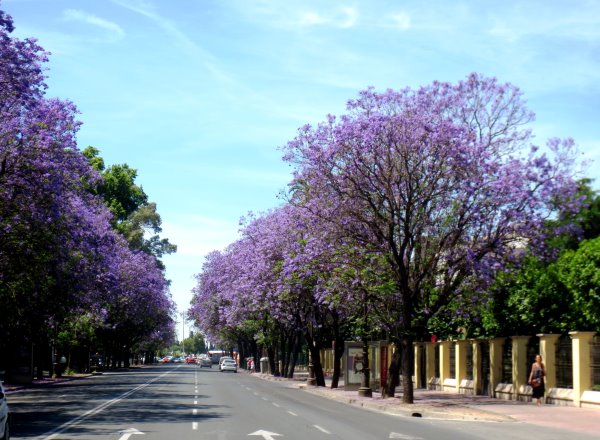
column 78, row 276
column 417, row 212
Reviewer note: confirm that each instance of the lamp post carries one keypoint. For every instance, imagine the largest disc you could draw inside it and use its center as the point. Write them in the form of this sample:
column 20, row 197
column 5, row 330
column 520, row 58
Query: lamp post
column 183, row 333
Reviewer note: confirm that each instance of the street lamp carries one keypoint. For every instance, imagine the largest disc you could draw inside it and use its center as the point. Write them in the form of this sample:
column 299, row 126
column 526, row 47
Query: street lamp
column 183, row 332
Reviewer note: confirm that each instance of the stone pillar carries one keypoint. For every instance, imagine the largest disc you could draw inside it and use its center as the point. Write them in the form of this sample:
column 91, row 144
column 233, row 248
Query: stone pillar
column 477, row 372
column 582, row 375
column 520, row 372
column 418, row 348
column 429, row 361
column 460, row 362
column 496, row 345
column 444, row 361
column 548, row 353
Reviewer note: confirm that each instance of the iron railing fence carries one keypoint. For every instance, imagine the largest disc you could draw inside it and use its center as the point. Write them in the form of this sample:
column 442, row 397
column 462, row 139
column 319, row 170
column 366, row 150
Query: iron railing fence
column 564, row 362
column 507, row 361
column 595, row 363
column 469, row 361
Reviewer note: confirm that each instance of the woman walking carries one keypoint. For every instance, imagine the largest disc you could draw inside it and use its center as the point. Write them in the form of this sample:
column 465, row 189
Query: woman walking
column 536, row 379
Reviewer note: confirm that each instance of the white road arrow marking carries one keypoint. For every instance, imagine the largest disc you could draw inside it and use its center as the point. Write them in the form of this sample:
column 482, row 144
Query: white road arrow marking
column 129, row 432
column 266, row 434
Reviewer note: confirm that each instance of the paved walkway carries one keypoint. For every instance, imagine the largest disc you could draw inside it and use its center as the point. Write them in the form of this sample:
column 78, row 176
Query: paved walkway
column 452, row 406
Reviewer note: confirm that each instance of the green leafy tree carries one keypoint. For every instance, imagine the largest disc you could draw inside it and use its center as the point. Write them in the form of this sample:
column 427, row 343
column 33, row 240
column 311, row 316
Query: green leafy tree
column 195, row 343
column 579, row 272
column 133, row 215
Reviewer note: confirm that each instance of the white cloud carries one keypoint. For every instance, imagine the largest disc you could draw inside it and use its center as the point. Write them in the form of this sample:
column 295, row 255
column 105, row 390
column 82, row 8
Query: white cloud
column 350, row 19
column 401, row 20
column 114, row 31
column 311, row 18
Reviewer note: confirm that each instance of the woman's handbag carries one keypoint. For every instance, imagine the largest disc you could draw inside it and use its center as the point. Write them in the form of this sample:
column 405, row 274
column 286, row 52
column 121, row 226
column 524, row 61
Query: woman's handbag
column 536, row 382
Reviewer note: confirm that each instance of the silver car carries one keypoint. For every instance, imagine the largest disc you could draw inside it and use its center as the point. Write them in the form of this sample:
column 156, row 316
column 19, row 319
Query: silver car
column 4, row 416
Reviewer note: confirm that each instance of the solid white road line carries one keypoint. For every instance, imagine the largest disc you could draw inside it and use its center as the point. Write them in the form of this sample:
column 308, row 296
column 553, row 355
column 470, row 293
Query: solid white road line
column 77, row 420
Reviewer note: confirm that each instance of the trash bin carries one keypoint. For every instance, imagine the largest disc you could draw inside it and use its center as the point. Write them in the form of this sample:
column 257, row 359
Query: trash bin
column 264, row 365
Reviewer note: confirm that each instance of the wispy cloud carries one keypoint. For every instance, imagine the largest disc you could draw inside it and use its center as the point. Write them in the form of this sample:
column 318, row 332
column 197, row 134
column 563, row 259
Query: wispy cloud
column 344, row 18
column 400, row 20
column 113, row 30
column 522, row 22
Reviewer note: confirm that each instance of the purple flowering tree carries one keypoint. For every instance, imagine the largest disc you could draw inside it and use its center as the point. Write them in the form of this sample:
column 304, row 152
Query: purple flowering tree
column 437, row 182
column 62, row 266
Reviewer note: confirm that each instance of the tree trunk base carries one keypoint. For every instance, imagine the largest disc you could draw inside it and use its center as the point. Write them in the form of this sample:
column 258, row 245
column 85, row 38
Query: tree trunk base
column 365, row 392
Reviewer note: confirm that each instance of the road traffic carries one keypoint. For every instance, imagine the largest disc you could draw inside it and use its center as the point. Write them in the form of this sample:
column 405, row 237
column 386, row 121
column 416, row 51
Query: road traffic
column 184, row 401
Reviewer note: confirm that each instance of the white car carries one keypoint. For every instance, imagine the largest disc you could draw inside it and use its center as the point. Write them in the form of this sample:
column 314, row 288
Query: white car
column 228, row 365
column 223, row 359
column 4, row 416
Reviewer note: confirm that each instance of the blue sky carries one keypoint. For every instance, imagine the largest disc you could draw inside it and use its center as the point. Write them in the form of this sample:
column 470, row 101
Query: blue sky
column 198, row 95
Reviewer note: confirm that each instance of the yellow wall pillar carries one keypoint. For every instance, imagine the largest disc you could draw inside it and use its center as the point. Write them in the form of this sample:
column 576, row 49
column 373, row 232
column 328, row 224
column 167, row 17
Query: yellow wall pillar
column 582, row 377
column 477, row 372
column 460, row 362
column 548, row 353
column 520, row 371
column 429, row 360
column 444, row 361
column 496, row 346
column 417, row 371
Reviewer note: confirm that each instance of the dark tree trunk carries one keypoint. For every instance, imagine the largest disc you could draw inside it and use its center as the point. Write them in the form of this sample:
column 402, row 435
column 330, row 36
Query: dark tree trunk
column 39, row 353
column 338, row 353
column 271, row 355
column 408, row 355
column 315, row 354
column 365, row 381
column 393, row 374
column 295, row 352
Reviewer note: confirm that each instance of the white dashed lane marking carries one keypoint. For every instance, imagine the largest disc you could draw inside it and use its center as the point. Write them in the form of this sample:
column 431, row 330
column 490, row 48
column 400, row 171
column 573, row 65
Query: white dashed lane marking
column 293, row 413
column 323, row 430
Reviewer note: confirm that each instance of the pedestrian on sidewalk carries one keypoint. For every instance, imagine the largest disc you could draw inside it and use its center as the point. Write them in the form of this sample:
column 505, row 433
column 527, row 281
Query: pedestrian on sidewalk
column 536, row 379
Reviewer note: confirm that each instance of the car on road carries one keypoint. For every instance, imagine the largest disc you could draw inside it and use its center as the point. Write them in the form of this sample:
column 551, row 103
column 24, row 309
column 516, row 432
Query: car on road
column 190, row 360
column 167, row 359
column 4, row 416
column 205, row 362
column 228, row 365
column 223, row 358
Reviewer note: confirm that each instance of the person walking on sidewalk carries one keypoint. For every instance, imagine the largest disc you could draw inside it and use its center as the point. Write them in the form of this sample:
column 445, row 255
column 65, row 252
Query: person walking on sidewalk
column 536, row 379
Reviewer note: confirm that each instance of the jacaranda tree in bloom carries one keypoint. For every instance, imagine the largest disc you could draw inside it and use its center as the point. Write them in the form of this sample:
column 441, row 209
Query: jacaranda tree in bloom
column 62, row 266
column 438, row 182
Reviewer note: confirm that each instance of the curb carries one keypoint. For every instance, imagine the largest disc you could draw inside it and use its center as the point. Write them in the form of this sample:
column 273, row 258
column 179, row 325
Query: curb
column 457, row 412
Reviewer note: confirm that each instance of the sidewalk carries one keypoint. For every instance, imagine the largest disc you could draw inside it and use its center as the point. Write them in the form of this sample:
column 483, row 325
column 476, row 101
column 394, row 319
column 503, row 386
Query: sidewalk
column 453, row 406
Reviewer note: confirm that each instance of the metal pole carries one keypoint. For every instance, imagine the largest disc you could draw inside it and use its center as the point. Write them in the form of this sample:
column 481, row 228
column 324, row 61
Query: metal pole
column 183, row 332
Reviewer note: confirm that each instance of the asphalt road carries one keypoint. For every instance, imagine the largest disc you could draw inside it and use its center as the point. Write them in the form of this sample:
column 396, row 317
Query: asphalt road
column 179, row 402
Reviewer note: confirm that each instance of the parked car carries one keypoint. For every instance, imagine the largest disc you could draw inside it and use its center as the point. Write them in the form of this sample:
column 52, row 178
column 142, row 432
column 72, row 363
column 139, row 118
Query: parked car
column 4, row 416
column 228, row 365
